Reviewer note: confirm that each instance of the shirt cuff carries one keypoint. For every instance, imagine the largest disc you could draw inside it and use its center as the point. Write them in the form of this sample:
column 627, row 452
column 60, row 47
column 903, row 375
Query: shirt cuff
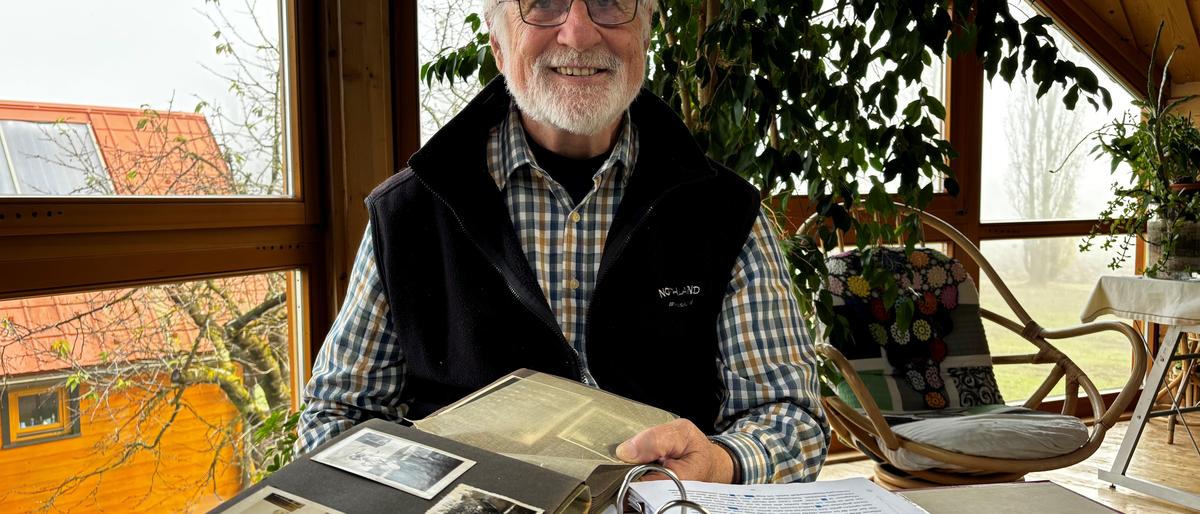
column 750, row 460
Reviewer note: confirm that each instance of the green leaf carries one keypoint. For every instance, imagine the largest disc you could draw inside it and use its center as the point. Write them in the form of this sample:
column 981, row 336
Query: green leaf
column 488, row 70
column 1071, row 97
column 62, row 348
column 935, row 107
column 1086, row 79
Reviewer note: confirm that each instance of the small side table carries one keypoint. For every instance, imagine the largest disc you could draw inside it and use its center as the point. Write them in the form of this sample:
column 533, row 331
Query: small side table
column 1176, row 305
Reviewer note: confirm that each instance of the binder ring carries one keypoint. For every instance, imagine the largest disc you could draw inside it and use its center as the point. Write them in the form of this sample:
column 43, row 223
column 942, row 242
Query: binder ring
column 681, row 503
column 634, row 474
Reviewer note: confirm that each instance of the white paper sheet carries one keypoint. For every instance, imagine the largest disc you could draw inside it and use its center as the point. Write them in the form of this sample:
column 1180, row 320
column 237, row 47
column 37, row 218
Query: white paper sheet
column 851, row 495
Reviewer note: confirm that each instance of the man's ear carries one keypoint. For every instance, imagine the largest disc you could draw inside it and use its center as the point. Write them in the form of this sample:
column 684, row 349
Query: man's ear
column 497, row 53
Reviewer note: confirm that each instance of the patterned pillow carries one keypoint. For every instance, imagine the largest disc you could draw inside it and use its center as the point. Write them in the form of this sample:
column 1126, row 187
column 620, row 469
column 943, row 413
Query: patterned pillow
column 940, row 360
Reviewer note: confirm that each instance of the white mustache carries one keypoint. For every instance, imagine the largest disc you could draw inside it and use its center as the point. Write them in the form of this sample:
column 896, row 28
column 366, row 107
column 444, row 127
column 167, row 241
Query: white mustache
column 566, row 57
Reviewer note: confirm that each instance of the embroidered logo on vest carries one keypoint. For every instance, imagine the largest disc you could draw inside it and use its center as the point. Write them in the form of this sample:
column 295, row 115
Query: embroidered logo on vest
column 679, row 296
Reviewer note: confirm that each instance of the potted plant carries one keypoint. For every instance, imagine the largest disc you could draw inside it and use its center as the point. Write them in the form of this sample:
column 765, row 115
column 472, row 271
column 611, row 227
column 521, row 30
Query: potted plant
column 1162, row 148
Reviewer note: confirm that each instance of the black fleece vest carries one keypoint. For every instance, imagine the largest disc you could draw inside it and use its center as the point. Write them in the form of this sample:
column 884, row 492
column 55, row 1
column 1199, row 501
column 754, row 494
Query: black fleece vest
column 467, row 307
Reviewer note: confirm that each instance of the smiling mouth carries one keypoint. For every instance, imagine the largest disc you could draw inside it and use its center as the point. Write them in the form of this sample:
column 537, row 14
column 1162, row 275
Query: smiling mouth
column 577, row 72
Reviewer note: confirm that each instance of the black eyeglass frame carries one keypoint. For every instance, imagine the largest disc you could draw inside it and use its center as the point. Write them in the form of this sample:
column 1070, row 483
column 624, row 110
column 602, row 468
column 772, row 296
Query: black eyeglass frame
column 637, row 5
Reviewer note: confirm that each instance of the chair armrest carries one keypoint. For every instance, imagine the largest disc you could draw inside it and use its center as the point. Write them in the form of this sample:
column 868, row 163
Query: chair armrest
column 1138, row 347
column 859, row 389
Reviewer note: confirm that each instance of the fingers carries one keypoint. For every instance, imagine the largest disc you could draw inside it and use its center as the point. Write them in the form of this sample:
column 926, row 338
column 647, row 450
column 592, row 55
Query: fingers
column 673, row 440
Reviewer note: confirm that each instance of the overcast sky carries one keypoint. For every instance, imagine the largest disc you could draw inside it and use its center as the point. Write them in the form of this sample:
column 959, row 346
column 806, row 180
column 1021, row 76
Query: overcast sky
column 116, row 53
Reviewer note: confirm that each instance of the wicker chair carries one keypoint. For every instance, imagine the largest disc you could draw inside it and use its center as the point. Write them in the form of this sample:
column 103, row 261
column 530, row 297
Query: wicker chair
column 868, row 428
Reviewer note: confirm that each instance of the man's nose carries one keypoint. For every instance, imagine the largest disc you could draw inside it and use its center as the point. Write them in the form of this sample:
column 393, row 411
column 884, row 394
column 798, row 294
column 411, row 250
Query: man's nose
column 578, row 32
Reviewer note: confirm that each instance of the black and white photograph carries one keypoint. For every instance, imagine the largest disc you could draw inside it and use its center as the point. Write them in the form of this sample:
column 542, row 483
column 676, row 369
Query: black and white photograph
column 270, row 500
column 465, row 499
column 371, row 439
column 408, row 466
column 599, row 432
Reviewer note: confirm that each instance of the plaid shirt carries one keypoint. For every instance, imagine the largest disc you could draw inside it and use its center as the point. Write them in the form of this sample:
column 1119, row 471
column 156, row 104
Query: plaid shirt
column 771, row 420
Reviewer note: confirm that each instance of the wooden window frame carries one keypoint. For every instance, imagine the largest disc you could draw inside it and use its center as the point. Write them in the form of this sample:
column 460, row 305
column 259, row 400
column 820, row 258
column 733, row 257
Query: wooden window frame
column 56, row 245
column 68, row 425
column 347, row 134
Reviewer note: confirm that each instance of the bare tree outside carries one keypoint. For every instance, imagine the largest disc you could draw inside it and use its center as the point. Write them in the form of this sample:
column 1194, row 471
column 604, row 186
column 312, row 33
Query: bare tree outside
column 132, row 355
column 133, row 358
column 1043, row 179
column 443, row 25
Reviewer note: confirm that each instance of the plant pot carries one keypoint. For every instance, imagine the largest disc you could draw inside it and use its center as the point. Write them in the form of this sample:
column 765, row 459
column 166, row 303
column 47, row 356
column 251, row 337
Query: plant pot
column 1184, row 261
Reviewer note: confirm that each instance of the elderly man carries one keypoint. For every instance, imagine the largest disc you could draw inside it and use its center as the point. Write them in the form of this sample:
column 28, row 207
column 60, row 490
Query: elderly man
column 566, row 221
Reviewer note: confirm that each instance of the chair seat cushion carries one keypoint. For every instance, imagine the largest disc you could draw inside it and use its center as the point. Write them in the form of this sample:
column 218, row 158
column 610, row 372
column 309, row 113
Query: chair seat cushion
column 1003, row 433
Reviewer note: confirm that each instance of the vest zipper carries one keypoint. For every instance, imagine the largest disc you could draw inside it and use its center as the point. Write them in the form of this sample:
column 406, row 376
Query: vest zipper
column 571, row 353
column 587, row 320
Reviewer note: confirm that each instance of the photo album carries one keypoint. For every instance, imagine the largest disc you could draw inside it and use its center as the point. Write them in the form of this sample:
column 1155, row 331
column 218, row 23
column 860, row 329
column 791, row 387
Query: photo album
column 529, row 443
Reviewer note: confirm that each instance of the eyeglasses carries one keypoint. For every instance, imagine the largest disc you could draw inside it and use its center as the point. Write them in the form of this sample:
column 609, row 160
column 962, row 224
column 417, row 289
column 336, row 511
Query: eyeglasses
column 552, row 13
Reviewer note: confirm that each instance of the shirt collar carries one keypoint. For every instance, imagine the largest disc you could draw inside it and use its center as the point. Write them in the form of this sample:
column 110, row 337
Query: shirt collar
column 514, row 153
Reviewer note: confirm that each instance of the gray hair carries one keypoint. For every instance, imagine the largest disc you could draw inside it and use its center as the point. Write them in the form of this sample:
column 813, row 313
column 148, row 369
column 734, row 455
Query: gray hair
column 489, row 8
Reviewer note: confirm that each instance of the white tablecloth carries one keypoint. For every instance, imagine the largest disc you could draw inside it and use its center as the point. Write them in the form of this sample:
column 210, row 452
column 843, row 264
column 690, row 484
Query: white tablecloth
column 1167, row 302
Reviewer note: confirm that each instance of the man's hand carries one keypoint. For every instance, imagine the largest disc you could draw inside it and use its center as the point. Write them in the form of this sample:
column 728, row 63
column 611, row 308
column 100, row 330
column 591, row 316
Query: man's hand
column 680, row 447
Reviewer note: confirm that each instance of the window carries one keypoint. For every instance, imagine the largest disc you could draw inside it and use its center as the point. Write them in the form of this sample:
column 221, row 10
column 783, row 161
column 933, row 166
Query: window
column 188, row 108
column 40, row 413
column 53, row 159
column 1040, row 196
column 441, row 26
column 1053, row 282
column 185, row 263
column 1038, row 162
column 186, row 369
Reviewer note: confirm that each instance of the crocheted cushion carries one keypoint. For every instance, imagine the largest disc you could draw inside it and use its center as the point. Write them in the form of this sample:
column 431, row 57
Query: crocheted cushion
column 940, row 360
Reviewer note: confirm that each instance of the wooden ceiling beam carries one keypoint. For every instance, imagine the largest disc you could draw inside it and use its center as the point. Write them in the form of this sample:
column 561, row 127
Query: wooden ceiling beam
column 1179, row 18
column 1124, row 62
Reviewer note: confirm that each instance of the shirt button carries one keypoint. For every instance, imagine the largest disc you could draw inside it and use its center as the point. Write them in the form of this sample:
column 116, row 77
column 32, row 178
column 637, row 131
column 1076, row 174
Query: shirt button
column 576, row 217
column 573, row 284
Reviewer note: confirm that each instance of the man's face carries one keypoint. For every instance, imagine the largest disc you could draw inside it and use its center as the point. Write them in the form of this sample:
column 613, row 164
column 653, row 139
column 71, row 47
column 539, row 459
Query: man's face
column 579, row 76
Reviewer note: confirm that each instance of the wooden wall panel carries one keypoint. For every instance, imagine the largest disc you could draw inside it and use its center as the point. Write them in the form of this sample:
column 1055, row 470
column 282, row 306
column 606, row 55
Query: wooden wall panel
column 360, row 114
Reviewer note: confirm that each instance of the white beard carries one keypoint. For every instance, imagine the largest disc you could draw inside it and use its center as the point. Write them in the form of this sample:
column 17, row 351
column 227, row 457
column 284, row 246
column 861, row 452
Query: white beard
column 583, row 110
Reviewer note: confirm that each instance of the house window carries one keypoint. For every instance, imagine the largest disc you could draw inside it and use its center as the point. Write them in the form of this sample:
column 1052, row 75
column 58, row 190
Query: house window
column 37, row 414
column 58, row 158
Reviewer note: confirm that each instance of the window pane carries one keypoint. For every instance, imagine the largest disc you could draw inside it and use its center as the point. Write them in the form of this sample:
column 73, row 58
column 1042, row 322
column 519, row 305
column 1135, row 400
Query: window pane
column 1052, row 280
column 441, row 26
column 189, row 370
column 37, row 410
column 190, row 105
column 1025, row 138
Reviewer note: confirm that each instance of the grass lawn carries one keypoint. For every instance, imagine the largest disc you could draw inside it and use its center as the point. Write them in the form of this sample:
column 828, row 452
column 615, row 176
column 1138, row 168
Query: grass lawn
column 1105, row 357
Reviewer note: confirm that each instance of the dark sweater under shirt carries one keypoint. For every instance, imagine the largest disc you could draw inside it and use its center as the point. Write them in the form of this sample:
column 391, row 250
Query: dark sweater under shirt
column 575, row 175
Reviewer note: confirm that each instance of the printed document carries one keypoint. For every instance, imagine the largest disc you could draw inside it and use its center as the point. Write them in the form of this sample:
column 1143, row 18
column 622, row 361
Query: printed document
column 851, row 495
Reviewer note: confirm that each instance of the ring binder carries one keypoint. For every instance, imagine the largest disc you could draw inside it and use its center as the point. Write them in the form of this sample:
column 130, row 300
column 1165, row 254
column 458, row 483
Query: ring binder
column 682, row 502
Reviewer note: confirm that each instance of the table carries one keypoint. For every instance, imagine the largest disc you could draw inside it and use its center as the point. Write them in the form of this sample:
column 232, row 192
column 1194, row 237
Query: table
column 1013, row 497
column 1176, row 305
